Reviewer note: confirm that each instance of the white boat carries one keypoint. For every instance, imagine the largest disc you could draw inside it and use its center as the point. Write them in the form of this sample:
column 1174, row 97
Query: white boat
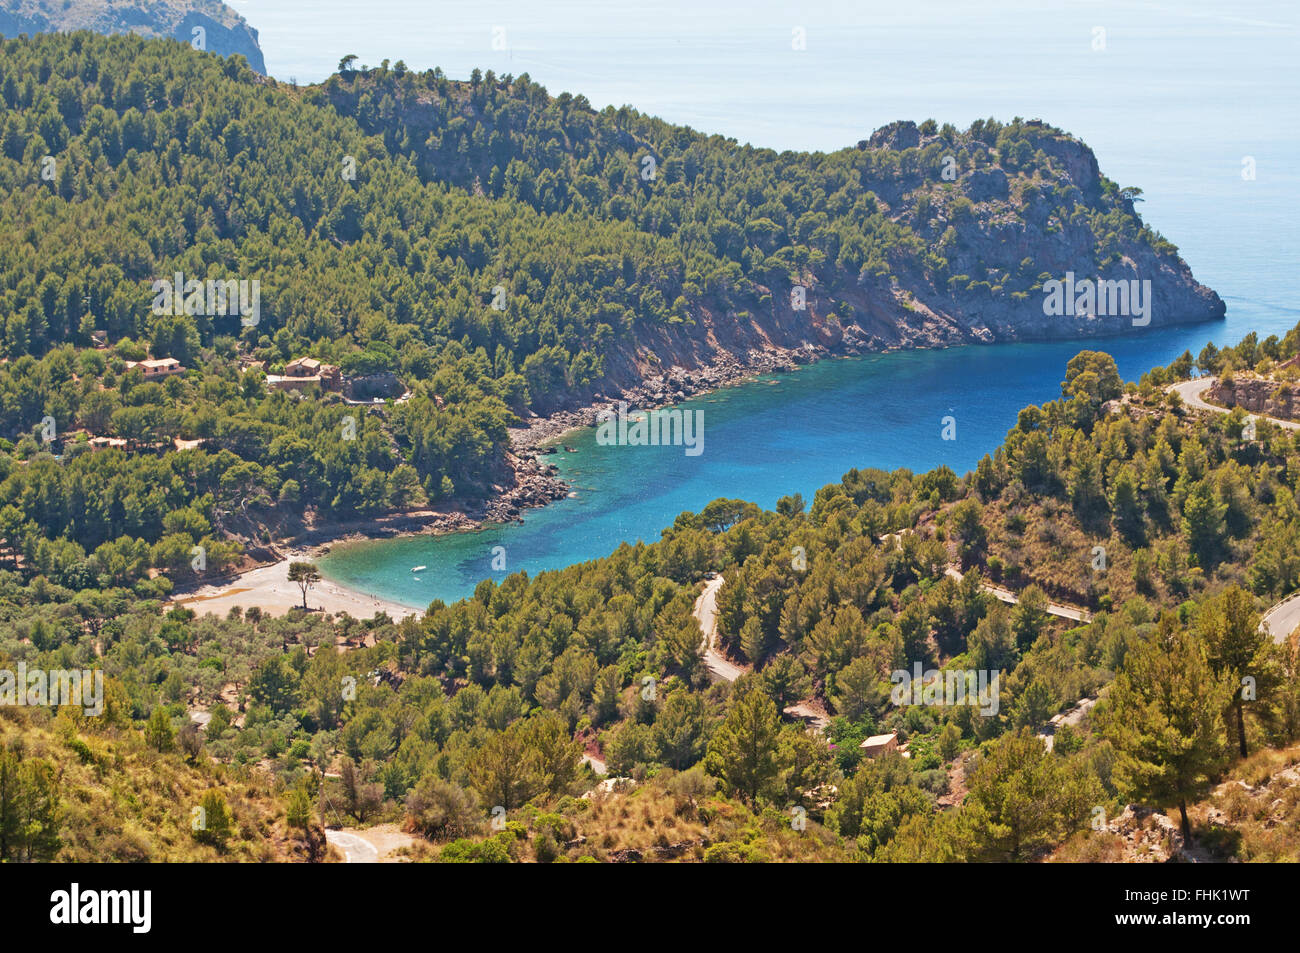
column 419, row 568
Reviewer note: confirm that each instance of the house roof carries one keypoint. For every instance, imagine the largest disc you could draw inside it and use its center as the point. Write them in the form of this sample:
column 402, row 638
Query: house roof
column 875, row 741
column 156, row 364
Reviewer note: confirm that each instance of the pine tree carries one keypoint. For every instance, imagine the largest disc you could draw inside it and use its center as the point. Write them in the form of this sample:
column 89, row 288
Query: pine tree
column 505, row 771
column 1239, row 652
column 29, row 808
column 216, row 823
column 1029, row 797
column 679, row 730
column 753, row 641
column 785, row 681
column 158, row 732
column 298, row 813
column 743, row 750
column 1203, row 522
column 1164, row 716
column 305, row 575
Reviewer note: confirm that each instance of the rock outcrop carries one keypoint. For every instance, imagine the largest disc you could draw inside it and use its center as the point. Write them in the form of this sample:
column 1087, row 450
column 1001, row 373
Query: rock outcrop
column 971, row 229
column 224, row 31
column 1257, row 395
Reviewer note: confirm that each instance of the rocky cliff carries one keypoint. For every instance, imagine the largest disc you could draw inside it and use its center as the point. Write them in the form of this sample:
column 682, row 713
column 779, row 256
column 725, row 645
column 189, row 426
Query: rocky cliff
column 919, row 236
column 1257, row 395
column 224, row 31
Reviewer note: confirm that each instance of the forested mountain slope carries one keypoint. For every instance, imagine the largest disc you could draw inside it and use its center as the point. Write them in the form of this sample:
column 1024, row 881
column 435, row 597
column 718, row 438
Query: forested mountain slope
column 489, row 702
column 500, row 251
column 917, row 235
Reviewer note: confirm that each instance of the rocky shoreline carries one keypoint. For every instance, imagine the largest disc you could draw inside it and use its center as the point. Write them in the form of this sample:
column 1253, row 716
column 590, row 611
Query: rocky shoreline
column 535, row 480
column 671, row 387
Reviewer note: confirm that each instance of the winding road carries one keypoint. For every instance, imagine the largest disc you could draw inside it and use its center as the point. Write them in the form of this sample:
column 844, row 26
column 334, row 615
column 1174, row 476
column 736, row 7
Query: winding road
column 706, row 614
column 721, row 667
column 1191, row 391
column 1282, row 619
column 356, row 849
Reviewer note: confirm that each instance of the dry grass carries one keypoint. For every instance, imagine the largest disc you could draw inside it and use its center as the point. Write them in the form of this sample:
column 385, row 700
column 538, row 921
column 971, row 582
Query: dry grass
column 121, row 801
column 1255, row 814
column 655, row 823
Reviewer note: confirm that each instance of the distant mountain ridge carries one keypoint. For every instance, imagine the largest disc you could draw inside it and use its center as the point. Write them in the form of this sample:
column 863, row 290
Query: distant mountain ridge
column 226, row 32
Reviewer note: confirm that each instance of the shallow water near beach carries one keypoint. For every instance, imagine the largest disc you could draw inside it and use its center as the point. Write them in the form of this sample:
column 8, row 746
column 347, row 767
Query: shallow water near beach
column 776, row 434
column 1175, row 103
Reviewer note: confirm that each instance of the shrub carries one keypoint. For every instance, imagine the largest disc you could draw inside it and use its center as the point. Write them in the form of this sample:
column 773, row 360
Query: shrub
column 436, row 808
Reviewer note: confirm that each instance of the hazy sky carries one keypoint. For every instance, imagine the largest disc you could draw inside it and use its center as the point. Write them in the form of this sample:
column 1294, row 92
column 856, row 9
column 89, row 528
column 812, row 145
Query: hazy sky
column 731, row 67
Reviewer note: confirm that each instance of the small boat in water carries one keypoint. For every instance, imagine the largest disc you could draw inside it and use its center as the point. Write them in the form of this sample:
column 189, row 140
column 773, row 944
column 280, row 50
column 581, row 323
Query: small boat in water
column 419, row 568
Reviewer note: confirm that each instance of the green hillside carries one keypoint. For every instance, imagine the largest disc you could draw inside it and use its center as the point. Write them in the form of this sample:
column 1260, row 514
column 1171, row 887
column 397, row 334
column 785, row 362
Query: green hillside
column 498, row 251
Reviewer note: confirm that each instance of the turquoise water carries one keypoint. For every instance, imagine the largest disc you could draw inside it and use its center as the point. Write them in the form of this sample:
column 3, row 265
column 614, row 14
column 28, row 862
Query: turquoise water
column 1180, row 95
column 775, row 435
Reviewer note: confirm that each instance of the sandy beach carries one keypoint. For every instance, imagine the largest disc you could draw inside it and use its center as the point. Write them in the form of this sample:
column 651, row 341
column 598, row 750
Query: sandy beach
column 269, row 588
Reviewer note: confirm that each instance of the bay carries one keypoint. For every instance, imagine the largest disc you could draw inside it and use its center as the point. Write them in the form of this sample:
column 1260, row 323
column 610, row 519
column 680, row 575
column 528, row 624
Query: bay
column 1177, row 99
column 774, row 435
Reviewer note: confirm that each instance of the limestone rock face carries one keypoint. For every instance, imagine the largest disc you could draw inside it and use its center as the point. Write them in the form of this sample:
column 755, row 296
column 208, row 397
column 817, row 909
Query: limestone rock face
column 1257, row 395
column 897, row 135
column 983, row 185
column 225, row 31
column 228, row 40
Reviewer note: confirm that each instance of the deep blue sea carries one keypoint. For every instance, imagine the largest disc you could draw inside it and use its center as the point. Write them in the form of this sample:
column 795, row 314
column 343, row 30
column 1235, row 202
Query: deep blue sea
column 1175, row 98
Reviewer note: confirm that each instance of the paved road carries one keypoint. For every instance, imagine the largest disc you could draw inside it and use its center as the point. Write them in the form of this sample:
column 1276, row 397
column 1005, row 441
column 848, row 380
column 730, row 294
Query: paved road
column 356, row 849
column 706, row 614
column 722, row 668
column 1191, row 392
column 1006, row 595
column 1282, row 619
column 1074, row 717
